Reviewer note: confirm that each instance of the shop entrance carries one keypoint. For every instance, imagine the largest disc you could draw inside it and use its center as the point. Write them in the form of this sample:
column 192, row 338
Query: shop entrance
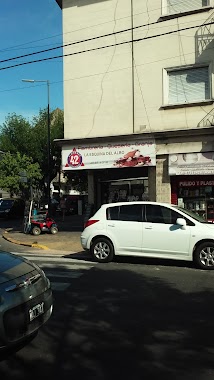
column 124, row 190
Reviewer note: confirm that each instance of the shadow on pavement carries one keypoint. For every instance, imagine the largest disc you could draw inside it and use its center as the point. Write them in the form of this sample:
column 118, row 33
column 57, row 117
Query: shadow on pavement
column 121, row 324
column 86, row 256
column 82, row 255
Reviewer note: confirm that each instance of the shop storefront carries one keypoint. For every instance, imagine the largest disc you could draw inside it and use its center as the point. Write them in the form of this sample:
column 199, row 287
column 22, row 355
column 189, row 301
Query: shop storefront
column 120, row 170
column 125, row 190
column 192, row 182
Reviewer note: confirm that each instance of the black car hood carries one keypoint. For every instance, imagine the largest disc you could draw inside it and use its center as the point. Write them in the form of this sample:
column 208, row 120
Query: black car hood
column 12, row 266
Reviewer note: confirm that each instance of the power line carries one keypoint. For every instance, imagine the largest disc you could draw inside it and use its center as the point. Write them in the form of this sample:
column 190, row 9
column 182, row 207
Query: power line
column 77, row 42
column 104, row 47
column 112, row 71
column 101, row 73
column 77, row 30
column 86, row 40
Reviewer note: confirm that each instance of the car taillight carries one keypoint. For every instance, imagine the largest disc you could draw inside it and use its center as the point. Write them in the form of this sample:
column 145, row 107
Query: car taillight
column 90, row 222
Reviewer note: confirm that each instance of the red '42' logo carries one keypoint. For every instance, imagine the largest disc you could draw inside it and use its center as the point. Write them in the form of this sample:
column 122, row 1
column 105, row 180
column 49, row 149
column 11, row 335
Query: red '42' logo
column 74, row 159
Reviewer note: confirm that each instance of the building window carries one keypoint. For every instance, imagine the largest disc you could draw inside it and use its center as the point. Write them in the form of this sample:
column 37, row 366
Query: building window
column 188, row 85
column 175, row 6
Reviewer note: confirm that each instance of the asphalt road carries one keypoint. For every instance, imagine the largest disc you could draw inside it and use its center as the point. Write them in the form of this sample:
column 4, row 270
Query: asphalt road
column 130, row 319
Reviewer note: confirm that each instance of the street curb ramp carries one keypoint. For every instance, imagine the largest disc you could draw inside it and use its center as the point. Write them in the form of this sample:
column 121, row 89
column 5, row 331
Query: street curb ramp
column 14, row 241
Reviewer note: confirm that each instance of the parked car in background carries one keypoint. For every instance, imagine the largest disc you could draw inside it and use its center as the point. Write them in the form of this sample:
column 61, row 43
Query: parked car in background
column 25, row 299
column 12, row 208
column 149, row 229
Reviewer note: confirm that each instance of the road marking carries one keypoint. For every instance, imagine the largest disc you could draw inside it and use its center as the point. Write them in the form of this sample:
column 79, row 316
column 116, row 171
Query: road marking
column 52, row 258
column 59, row 270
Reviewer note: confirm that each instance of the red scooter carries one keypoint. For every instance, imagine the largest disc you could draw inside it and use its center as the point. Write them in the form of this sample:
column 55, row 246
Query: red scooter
column 41, row 223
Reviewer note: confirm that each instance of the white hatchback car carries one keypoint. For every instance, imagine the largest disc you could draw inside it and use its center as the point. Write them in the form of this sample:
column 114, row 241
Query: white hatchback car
column 149, row 229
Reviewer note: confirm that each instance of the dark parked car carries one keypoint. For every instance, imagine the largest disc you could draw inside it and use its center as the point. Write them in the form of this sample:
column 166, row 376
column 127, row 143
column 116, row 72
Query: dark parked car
column 25, row 299
column 12, row 208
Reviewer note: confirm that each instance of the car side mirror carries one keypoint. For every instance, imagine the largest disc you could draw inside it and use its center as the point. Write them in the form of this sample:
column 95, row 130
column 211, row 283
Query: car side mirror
column 181, row 222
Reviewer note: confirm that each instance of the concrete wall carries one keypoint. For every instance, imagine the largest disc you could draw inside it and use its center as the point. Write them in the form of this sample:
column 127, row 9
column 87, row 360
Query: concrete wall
column 163, row 192
column 98, row 84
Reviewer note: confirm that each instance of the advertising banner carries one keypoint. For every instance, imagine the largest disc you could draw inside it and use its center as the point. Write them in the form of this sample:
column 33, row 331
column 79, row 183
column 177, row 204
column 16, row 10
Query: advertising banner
column 191, row 163
column 112, row 155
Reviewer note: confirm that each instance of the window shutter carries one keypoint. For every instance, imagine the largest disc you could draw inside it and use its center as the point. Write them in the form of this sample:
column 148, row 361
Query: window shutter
column 189, row 85
column 176, row 6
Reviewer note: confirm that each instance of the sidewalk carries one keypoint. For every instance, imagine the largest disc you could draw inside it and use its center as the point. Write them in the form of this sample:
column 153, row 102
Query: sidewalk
column 66, row 240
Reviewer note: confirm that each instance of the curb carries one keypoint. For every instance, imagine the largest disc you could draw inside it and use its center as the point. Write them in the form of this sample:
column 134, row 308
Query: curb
column 34, row 245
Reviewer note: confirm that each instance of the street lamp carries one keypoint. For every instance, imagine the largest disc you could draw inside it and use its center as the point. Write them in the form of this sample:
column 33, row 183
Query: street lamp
column 49, row 133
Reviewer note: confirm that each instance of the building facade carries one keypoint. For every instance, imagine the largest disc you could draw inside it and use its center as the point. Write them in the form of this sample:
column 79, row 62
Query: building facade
column 138, row 99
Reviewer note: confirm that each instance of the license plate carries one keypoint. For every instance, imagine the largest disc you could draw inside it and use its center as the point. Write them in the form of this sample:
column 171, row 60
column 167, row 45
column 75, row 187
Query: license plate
column 36, row 311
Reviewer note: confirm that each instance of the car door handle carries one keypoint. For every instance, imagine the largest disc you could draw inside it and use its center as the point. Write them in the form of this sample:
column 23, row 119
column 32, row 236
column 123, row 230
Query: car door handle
column 148, row 227
column 111, row 225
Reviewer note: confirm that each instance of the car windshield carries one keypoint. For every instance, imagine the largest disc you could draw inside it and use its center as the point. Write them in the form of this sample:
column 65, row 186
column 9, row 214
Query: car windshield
column 6, row 203
column 193, row 215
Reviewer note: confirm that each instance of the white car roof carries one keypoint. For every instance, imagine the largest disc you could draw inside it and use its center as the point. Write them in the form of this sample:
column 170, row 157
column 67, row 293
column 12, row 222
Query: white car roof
column 137, row 202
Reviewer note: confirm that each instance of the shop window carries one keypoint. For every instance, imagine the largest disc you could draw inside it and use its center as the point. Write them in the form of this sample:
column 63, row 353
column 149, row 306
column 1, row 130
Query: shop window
column 188, row 85
column 126, row 190
column 175, row 6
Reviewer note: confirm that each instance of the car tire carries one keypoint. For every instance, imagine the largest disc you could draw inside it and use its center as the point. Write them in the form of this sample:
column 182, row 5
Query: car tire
column 102, row 250
column 54, row 230
column 36, row 231
column 204, row 255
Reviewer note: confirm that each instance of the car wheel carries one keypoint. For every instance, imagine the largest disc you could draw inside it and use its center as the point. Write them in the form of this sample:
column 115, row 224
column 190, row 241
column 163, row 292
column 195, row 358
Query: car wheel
column 204, row 255
column 36, row 231
column 102, row 250
column 54, row 230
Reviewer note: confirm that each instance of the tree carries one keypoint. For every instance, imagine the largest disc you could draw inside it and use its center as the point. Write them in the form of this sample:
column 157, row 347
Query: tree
column 10, row 167
column 78, row 181
column 30, row 139
column 40, row 138
column 15, row 135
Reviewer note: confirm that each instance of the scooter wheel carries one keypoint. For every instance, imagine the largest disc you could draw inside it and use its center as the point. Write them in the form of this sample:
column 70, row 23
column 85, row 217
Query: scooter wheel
column 36, row 231
column 54, row 230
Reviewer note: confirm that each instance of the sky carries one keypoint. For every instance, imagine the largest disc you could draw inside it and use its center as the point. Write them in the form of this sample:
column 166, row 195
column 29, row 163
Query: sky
column 28, row 26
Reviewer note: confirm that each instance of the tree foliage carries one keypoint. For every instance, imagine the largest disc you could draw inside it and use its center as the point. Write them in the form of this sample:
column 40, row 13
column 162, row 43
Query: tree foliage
column 40, row 140
column 78, row 181
column 11, row 165
column 30, row 140
column 15, row 135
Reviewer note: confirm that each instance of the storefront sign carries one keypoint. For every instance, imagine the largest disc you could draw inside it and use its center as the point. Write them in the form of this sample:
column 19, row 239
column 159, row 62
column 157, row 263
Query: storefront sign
column 191, row 164
column 195, row 183
column 114, row 155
